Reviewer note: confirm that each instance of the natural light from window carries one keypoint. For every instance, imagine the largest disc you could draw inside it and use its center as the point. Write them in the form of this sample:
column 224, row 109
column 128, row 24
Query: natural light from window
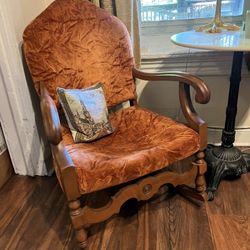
column 163, row 10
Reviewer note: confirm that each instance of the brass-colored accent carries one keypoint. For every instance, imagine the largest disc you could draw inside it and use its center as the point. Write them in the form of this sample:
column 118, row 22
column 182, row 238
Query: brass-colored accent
column 216, row 26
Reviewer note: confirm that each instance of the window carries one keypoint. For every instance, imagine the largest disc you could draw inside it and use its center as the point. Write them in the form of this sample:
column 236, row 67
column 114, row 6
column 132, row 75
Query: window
column 163, row 10
column 160, row 19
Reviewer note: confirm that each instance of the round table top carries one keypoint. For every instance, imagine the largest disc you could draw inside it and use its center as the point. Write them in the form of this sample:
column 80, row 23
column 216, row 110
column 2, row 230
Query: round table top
column 224, row 41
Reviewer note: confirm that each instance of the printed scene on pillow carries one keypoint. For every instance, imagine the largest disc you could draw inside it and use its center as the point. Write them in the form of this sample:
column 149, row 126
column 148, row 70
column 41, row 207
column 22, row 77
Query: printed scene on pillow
column 86, row 112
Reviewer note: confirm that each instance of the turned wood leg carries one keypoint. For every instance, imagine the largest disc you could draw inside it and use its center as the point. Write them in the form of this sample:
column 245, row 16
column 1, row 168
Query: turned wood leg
column 81, row 234
column 201, row 169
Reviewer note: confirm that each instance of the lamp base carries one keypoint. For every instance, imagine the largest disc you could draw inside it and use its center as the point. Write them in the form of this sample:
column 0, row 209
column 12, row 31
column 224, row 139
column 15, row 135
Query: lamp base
column 217, row 27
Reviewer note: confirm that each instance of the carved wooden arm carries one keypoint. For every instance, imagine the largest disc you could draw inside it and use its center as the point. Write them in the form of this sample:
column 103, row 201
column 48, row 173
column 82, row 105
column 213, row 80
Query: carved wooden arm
column 202, row 95
column 63, row 164
column 50, row 116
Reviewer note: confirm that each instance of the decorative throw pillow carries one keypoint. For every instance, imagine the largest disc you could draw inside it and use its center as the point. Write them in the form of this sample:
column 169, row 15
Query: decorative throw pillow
column 86, row 112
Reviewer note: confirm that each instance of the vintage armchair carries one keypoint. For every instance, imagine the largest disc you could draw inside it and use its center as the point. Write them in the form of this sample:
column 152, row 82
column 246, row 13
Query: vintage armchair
column 74, row 44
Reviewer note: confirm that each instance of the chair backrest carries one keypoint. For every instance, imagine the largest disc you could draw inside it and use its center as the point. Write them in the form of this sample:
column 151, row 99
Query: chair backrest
column 74, row 44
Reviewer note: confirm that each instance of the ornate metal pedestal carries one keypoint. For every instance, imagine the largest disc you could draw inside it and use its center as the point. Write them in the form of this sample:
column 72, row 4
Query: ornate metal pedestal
column 227, row 160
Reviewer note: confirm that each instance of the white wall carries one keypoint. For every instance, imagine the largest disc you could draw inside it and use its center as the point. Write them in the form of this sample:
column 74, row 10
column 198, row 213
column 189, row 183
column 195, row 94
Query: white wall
column 22, row 12
column 18, row 118
column 2, row 141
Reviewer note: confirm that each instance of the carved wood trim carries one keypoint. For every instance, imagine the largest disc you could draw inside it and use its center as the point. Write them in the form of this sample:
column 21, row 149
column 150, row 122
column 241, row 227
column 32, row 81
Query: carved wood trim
column 66, row 171
column 50, row 116
column 202, row 168
column 63, row 164
column 194, row 121
column 81, row 233
column 142, row 190
column 202, row 95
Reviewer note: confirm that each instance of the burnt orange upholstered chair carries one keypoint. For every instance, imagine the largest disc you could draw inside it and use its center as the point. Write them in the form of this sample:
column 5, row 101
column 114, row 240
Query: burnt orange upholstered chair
column 74, row 44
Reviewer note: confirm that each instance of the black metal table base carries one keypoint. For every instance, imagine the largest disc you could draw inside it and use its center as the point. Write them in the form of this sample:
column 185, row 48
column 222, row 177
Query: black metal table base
column 227, row 160
column 224, row 162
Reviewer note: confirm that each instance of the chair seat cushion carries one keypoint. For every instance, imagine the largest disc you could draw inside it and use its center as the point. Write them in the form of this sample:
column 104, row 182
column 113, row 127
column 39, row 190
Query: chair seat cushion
column 142, row 142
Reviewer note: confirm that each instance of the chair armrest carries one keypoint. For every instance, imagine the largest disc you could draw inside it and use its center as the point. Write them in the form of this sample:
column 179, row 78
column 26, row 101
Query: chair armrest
column 65, row 171
column 64, row 167
column 202, row 91
column 50, row 116
column 202, row 95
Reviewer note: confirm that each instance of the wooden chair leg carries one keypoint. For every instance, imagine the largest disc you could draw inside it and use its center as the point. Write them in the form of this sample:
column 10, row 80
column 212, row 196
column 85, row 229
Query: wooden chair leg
column 199, row 192
column 200, row 181
column 81, row 234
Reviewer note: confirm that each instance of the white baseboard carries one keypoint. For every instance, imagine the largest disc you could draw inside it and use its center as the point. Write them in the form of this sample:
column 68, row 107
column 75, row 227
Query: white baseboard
column 242, row 137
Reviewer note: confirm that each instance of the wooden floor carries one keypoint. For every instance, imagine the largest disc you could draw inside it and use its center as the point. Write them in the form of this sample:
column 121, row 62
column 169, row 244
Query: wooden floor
column 34, row 215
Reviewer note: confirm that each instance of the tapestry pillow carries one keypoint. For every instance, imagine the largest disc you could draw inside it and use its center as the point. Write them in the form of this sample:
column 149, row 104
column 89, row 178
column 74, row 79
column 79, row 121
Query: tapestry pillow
column 86, row 112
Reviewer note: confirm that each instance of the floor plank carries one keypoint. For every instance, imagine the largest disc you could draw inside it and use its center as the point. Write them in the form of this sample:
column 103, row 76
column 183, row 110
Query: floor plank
column 34, row 215
column 231, row 231
column 232, row 197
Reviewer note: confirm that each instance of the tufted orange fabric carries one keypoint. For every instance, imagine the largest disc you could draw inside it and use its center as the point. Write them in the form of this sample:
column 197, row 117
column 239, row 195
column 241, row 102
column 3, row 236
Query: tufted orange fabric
column 143, row 142
column 74, row 44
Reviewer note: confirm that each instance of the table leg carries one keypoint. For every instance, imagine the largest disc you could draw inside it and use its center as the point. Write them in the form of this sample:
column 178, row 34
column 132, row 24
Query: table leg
column 227, row 160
